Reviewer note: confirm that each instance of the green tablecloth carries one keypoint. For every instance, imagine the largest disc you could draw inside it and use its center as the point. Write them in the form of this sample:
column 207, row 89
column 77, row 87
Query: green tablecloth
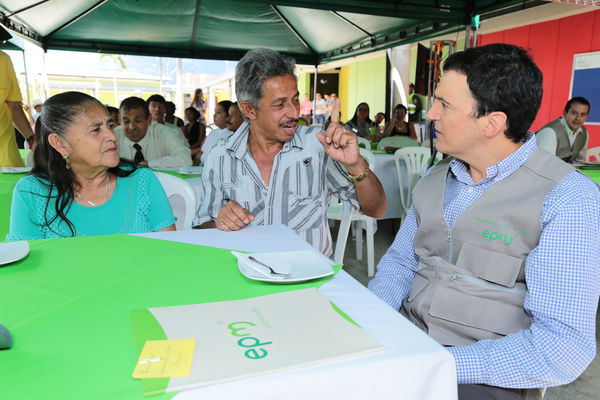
column 68, row 306
column 7, row 184
column 593, row 174
column 177, row 174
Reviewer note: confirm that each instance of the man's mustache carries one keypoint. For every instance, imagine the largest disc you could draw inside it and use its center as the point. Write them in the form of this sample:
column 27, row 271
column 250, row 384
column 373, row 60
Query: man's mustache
column 288, row 122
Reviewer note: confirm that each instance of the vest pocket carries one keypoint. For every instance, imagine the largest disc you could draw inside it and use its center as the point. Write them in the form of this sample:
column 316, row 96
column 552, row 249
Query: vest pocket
column 467, row 303
column 489, row 265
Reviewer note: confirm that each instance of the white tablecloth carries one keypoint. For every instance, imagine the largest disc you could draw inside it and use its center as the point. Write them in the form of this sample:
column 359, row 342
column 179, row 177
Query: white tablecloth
column 412, row 366
column 385, row 169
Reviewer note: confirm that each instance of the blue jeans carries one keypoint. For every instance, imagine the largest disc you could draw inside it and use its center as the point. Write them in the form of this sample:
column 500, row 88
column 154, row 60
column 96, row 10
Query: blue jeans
column 320, row 119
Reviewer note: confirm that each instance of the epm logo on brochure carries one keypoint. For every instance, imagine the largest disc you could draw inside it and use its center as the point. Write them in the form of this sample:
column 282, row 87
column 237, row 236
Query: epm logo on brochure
column 255, row 348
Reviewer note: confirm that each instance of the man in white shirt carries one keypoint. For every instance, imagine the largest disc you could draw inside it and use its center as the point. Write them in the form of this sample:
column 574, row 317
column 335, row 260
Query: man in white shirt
column 157, row 105
column 566, row 137
column 145, row 143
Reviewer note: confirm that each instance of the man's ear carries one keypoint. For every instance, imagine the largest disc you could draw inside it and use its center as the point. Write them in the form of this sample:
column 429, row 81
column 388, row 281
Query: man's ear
column 248, row 110
column 59, row 144
column 495, row 123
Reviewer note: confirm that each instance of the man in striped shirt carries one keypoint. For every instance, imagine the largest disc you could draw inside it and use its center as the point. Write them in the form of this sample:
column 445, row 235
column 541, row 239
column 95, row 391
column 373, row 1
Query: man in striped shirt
column 272, row 171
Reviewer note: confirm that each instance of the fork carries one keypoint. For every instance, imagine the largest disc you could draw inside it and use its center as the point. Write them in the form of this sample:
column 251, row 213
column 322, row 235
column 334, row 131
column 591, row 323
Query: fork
column 273, row 272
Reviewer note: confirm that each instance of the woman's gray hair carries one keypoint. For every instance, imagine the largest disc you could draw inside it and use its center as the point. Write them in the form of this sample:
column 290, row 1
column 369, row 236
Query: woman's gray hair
column 254, row 68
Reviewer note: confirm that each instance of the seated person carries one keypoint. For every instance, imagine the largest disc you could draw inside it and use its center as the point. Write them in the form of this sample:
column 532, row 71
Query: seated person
column 194, row 132
column 397, row 126
column 114, row 114
column 498, row 257
column 78, row 186
column 157, row 105
column 170, row 117
column 360, row 123
column 566, row 137
column 145, row 143
column 221, row 133
column 272, row 171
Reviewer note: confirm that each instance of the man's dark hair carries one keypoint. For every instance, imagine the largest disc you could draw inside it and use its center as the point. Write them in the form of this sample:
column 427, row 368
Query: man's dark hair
column 111, row 109
column 578, row 100
column 134, row 102
column 501, row 77
column 157, row 98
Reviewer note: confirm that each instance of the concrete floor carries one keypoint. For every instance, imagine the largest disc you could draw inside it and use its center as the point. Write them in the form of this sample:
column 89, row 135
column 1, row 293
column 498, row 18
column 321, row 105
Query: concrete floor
column 585, row 387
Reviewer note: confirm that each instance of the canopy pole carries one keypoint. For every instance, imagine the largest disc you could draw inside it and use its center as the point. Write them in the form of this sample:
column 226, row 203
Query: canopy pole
column 26, row 79
column 314, row 103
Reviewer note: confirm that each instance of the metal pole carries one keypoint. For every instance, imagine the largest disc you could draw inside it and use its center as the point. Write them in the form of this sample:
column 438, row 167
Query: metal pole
column 314, row 103
column 26, row 79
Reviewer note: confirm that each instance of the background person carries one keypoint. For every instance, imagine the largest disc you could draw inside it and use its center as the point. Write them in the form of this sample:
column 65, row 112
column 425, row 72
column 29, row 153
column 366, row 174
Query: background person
column 146, row 143
column 320, row 110
column 199, row 104
column 170, row 117
column 157, row 105
column 219, row 134
column 11, row 111
column 360, row 123
column 397, row 126
column 306, row 109
column 194, row 131
column 566, row 137
column 78, row 186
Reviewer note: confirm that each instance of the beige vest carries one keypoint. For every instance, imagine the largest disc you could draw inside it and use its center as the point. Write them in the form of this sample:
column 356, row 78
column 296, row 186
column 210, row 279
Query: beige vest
column 563, row 146
column 470, row 283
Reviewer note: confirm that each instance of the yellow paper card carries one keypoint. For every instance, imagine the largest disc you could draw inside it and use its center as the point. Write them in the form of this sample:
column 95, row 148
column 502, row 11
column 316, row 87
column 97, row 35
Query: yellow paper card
column 165, row 359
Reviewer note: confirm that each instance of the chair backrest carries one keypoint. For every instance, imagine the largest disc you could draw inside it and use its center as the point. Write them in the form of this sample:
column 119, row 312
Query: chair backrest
column 396, row 141
column 176, row 189
column 411, row 163
column 368, row 155
column 342, row 236
column 593, row 155
column 364, row 142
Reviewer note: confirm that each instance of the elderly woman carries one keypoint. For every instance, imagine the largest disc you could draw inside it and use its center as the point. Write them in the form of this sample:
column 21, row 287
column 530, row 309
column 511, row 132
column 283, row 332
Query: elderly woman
column 78, row 186
column 398, row 126
column 361, row 124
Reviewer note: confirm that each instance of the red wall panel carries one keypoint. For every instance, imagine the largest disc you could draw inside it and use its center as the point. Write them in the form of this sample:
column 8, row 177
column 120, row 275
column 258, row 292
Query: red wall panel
column 552, row 45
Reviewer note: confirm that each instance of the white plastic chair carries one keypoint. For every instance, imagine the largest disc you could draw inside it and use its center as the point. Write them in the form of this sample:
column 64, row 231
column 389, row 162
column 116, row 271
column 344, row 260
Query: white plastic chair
column 593, row 155
column 416, row 160
column 396, row 141
column 362, row 140
column 177, row 189
column 343, row 212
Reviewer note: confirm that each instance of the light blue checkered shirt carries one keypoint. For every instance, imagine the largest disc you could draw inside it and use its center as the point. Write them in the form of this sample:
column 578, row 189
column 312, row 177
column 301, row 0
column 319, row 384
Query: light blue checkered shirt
column 562, row 276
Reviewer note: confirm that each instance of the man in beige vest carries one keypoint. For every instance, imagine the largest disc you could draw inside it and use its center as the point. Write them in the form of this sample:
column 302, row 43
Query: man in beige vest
column 566, row 137
column 498, row 259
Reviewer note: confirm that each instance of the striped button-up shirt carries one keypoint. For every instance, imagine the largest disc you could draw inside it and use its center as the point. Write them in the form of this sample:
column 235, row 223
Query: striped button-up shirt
column 562, row 275
column 302, row 181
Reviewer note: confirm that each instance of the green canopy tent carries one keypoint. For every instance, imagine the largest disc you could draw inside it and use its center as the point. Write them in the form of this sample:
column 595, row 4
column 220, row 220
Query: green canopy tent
column 311, row 31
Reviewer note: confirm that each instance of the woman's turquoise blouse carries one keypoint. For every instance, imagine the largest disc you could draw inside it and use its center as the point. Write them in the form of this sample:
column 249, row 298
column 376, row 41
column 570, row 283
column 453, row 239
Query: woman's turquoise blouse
column 138, row 204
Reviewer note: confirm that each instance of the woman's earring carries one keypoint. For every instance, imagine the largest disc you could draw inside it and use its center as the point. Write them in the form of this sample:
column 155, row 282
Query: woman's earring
column 67, row 161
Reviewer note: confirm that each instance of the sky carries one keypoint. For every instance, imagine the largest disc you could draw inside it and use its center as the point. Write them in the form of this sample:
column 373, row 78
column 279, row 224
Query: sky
column 70, row 62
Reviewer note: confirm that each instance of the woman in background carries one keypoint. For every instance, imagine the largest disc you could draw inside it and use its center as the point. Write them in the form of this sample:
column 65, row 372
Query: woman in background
column 200, row 105
column 195, row 132
column 78, row 185
column 398, row 126
column 220, row 121
column 361, row 124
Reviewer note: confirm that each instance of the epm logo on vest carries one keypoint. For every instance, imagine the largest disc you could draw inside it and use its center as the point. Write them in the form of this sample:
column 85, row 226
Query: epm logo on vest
column 492, row 236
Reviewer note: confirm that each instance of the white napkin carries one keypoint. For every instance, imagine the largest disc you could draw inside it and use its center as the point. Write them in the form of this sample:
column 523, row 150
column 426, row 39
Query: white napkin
column 275, row 261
